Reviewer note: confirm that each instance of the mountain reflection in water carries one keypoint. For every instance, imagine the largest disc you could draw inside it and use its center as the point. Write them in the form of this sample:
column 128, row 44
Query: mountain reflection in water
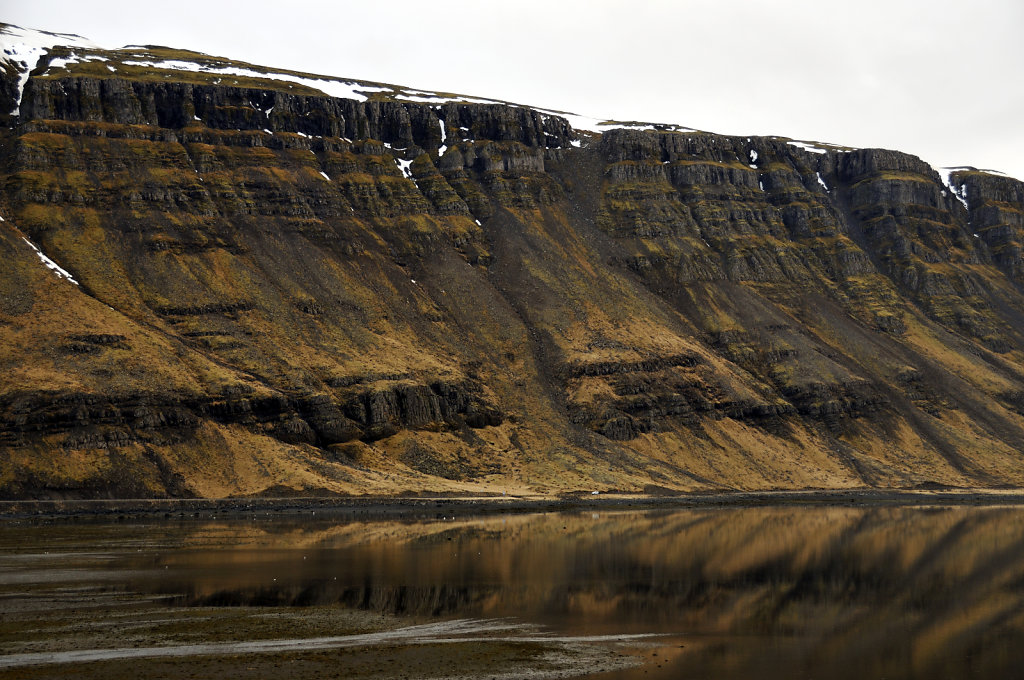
column 752, row 592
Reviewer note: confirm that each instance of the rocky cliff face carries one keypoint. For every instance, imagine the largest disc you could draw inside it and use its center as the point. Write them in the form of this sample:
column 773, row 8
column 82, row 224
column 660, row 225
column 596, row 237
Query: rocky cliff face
column 277, row 290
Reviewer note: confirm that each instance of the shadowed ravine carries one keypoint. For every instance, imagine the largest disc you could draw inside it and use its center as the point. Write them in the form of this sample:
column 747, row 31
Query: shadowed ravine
column 731, row 593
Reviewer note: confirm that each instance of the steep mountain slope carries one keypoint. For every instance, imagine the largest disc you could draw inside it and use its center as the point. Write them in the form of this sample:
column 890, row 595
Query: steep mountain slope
column 289, row 283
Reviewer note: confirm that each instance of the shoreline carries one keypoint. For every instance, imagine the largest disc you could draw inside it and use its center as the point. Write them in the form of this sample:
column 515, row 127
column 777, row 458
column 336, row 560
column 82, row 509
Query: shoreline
column 414, row 507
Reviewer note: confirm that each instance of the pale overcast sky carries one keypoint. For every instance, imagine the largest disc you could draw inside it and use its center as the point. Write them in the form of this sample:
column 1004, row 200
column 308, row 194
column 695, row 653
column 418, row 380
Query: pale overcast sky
column 939, row 79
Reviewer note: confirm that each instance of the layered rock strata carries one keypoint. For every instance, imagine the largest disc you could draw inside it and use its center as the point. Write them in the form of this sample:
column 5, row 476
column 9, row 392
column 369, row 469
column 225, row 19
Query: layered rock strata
column 280, row 291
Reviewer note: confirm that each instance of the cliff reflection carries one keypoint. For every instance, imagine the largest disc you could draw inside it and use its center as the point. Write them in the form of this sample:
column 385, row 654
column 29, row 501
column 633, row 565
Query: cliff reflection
column 903, row 591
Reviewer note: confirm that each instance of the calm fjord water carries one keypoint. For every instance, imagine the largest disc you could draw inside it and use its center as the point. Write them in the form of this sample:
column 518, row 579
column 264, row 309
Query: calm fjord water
column 806, row 592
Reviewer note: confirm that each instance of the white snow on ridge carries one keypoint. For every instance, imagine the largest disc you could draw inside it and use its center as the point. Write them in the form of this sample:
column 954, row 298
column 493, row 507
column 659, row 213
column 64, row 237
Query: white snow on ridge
column 590, row 124
column 577, row 122
column 640, row 127
column 422, row 97
column 646, row 127
column 945, row 173
column 22, row 48
column 340, row 89
column 26, row 46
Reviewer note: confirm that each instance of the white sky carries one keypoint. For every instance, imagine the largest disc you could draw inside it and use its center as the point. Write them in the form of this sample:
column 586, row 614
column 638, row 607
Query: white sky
column 940, row 79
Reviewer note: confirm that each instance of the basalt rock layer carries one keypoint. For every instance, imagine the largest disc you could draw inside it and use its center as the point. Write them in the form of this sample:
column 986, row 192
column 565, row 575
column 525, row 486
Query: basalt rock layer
column 266, row 289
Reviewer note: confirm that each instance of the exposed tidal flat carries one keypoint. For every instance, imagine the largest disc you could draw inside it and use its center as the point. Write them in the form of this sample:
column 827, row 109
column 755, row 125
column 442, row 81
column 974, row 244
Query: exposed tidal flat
column 878, row 585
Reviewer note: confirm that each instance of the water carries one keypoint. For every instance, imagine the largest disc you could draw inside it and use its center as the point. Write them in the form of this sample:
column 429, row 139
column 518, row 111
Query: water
column 804, row 592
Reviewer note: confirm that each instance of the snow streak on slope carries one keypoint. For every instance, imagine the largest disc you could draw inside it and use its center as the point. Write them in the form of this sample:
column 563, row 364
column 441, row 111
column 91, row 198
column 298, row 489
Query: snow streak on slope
column 50, row 264
column 959, row 190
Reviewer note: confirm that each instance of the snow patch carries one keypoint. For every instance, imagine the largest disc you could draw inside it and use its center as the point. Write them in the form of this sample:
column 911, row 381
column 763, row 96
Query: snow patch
column 808, row 147
column 73, row 58
column 444, row 137
column 753, row 158
column 21, row 49
column 406, row 167
column 821, row 181
column 50, row 264
column 324, row 175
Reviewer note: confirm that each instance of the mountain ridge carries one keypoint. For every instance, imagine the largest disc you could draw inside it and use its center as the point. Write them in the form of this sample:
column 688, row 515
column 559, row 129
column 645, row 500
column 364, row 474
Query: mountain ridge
column 278, row 289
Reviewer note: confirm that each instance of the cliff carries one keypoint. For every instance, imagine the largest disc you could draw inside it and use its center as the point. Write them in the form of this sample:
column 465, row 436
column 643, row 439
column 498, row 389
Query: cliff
column 220, row 279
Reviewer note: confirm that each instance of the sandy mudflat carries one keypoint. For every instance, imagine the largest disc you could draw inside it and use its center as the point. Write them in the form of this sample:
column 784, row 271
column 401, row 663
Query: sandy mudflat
column 114, row 640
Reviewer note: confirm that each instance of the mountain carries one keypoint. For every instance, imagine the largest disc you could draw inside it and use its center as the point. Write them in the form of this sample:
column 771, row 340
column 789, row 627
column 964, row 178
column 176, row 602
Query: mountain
column 226, row 279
